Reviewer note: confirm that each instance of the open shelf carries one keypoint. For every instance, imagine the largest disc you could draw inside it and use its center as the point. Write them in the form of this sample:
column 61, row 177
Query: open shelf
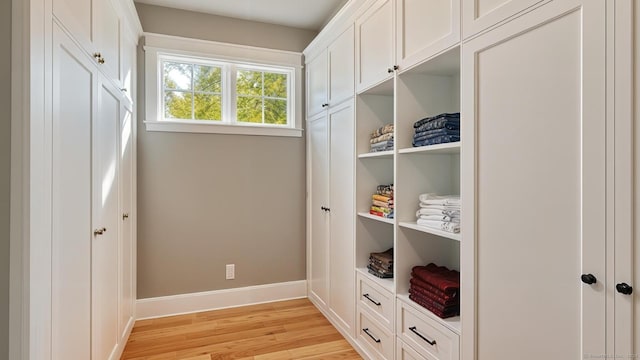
column 448, row 148
column 376, row 218
column 428, row 230
column 380, row 154
column 452, row 323
column 445, row 63
column 387, row 284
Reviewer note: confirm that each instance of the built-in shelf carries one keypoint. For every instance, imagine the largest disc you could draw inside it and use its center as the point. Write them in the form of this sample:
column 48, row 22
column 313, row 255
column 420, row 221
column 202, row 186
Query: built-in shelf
column 448, row 148
column 452, row 323
column 376, row 218
column 387, row 284
column 377, row 154
column 428, row 230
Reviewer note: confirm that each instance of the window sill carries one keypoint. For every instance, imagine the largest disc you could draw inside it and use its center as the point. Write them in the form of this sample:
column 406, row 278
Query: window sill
column 186, row 127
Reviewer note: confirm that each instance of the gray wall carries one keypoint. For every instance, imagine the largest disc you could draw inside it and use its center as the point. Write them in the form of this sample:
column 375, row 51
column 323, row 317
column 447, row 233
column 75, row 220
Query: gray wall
column 206, row 200
column 5, row 172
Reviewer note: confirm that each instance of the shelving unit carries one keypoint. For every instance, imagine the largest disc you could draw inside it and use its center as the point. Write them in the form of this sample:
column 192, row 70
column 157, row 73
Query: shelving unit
column 444, row 234
column 376, row 218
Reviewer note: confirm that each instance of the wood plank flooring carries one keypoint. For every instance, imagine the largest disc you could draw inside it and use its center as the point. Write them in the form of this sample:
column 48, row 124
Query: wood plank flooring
column 292, row 329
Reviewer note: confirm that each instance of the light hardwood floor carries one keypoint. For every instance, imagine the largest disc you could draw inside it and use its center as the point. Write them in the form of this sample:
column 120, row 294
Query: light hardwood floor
column 292, row 329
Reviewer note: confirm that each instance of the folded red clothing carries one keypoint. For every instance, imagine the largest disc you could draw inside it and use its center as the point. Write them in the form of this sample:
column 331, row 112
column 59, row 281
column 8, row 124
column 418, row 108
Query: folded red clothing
column 419, row 284
column 438, row 313
column 432, row 302
column 439, row 276
column 434, row 296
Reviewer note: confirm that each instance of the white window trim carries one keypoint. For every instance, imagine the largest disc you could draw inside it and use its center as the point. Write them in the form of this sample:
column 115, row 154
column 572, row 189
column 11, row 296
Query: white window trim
column 156, row 44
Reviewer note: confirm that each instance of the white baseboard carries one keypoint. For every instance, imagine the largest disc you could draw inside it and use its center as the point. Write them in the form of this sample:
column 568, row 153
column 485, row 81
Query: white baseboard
column 219, row 299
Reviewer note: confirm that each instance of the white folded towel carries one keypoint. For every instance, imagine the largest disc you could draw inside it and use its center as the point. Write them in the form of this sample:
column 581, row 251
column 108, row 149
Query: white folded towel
column 444, row 218
column 441, row 225
column 434, row 199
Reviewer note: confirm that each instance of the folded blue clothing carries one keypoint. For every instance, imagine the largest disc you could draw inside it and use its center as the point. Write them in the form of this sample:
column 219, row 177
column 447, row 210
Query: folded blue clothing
column 382, row 144
column 442, row 123
column 386, row 148
column 451, row 116
column 433, row 133
column 441, row 139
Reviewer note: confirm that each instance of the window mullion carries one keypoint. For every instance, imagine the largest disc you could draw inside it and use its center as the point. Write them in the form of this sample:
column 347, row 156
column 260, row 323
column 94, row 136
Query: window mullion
column 262, row 97
column 231, row 94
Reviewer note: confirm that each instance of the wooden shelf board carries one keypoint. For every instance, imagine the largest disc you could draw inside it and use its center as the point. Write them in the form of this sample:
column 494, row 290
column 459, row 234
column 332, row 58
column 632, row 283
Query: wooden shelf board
column 385, row 283
column 428, row 230
column 448, row 148
column 452, row 323
column 376, row 218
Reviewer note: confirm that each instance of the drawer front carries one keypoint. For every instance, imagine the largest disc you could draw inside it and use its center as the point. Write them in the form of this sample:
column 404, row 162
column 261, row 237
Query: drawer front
column 378, row 300
column 429, row 338
column 374, row 337
column 405, row 352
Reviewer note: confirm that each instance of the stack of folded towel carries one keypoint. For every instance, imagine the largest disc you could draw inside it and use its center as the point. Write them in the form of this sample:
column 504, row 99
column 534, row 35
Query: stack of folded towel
column 382, row 139
column 437, row 289
column 382, row 202
column 439, row 129
column 381, row 264
column 439, row 212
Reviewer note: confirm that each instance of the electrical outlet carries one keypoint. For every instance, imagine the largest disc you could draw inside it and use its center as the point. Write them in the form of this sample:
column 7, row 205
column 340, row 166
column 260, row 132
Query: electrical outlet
column 231, row 271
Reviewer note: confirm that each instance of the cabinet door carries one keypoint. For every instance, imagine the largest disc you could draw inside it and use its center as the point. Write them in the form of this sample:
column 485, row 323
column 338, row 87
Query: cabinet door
column 128, row 67
column 105, row 259
column 317, row 84
column 342, row 286
column 534, row 186
column 425, row 28
column 478, row 15
column 74, row 80
column 374, row 45
column 77, row 18
column 107, row 32
column 126, row 298
column 341, row 64
column 319, row 179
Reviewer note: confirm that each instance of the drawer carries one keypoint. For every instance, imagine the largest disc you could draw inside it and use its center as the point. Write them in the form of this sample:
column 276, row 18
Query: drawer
column 375, row 338
column 376, row 299
column 405, row 352
column 427, row 336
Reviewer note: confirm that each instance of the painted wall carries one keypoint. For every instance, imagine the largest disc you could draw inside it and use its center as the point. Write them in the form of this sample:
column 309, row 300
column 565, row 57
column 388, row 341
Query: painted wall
column 5, row 172
column 206, row 200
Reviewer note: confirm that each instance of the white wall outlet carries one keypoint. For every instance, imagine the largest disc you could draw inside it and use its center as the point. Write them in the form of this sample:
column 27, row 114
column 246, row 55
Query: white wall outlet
column 231, row 271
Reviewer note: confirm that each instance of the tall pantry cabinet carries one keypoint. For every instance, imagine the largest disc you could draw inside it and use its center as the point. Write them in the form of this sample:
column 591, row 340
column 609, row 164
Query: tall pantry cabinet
column 544, row 168
column 330, row 174
column 93, row 179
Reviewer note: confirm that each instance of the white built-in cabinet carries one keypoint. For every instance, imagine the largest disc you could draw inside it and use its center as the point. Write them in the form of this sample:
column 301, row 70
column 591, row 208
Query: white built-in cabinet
column 93, row 183
column 543, row 170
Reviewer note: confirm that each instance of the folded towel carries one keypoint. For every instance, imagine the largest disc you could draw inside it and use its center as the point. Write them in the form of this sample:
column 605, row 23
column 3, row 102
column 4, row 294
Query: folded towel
column 440, row 225
column 448, row 281
column 442, row 123
column 421, row 122
column 381, row 214
column 434, row 292
column 451, row 211
column 434, row 310
column 444, row 218
column 386, row 190
column 381, row 138
column 430, row 134
column 434, row 199
column 385, row 129
column 380, row 270
column 442, row 139
column 381, row 197
column 383, row 204
column 424, row 295
column 381, row 209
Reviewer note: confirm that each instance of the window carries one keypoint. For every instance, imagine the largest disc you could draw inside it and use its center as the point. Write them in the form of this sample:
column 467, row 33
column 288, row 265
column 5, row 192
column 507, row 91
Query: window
column 200, row 92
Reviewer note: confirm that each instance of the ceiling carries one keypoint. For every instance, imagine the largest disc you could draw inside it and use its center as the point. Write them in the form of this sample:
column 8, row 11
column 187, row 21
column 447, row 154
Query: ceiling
column 304, row 14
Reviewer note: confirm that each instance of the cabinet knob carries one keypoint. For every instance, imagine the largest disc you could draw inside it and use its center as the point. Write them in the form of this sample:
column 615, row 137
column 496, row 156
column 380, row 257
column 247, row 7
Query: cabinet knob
column 624, row 288
column 99, row 231
column 97, row 55
column 101, row 61
column 325, row 105
column 123, row 89
column 394, row 68
column 588, row 279
column 125, row 216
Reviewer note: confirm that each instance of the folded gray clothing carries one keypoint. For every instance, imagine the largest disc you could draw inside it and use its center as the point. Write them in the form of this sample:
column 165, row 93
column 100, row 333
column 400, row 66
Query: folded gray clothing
column 442, row 123
column 383, row 137
column 440, row 139
column 382, row 144
column 434, row 133
column 421, row 122
column 386, row 148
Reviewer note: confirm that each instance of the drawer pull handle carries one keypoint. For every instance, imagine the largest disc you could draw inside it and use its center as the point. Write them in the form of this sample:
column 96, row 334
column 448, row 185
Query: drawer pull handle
column 413, row 330
column 366, row 331
column 370, row 299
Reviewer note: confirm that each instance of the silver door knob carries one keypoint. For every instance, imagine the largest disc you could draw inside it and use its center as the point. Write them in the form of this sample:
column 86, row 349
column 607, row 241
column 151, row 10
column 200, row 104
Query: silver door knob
column 99, row 231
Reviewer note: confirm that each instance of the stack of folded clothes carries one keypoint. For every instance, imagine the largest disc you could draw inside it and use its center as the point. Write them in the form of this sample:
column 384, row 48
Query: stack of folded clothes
column 437, row 289
column 381, row 264
column 382, row 139
column 439, row 212
column 382, row 202
column 439, row 129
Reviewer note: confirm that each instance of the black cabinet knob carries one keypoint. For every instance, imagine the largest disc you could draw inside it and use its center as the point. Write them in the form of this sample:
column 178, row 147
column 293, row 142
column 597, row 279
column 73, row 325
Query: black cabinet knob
column 588, row 279
column 325, row 105
column 624, row 288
